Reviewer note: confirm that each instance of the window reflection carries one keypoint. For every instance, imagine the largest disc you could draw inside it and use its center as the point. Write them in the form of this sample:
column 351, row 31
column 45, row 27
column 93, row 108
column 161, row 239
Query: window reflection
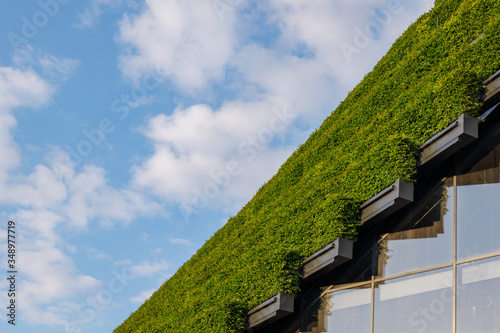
column 423, row 239
column 348, row 310
column 478, row 208
column 418, row 303
column 478, row 296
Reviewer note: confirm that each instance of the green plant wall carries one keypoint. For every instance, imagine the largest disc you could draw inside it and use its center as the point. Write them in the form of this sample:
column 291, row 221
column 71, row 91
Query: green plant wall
column 430, row 76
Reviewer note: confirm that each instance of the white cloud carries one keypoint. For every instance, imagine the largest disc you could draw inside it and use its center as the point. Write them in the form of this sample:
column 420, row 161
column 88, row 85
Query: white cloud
column 78, row 198
column 181, row 241
column 39, row 189
column 88, row 17
column 51, row 275
column 3, row 236
column 148, row 269
column 52, row 200
column 62, row 68
column 40, row 224
column 303, row 83
column 193, row 45
column 53, row 206
column 91, row 198
column 324, row 25
column 121, row 263
column 194, row 146
column 186, row 41
column 9, row 155
column 93, row 253
column 143, row 296
column 53, row 316
column 17, row 88
column 306, row 65
column 145, row 237
column 57, row 69
column 48, row 276
column 22, row 88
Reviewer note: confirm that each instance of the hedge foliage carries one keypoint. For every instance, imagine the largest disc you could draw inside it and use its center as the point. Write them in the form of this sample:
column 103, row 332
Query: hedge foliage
column 430, row 76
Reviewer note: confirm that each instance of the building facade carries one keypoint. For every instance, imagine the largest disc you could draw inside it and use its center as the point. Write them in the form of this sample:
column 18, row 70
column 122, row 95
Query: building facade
column 431, row 266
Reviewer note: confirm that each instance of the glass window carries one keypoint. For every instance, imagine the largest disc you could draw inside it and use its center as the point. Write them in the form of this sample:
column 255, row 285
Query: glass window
column 417, row 303
column 348, row 311
column 424, row 238
column 478, row 296
column 478, row 208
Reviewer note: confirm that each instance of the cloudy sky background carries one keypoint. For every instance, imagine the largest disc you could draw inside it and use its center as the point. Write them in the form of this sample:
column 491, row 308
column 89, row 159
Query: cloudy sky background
column 131, row 130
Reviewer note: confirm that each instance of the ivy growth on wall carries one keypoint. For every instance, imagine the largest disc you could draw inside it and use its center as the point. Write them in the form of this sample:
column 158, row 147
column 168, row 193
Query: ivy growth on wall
column 430, row 76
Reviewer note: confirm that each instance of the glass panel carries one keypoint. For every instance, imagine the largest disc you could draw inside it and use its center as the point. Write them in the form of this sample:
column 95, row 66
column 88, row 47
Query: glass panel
column 424, row 238
column 313, row 312
column 347, row 311
column 478, row 208
column 417, row 303
column 478, row 296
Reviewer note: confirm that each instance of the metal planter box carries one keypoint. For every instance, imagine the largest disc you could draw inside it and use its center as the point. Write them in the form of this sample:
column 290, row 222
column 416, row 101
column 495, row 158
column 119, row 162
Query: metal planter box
column 270, row 310
column 329, row 257
column 460, row 133
column 387, row 201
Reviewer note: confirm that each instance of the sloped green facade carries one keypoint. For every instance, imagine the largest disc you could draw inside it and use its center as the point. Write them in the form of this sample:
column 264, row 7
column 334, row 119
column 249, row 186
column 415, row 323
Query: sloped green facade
column 430, row 76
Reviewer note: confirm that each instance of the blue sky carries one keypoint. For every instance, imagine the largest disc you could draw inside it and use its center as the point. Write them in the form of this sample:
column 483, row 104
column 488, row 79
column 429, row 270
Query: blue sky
column 131, row 130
